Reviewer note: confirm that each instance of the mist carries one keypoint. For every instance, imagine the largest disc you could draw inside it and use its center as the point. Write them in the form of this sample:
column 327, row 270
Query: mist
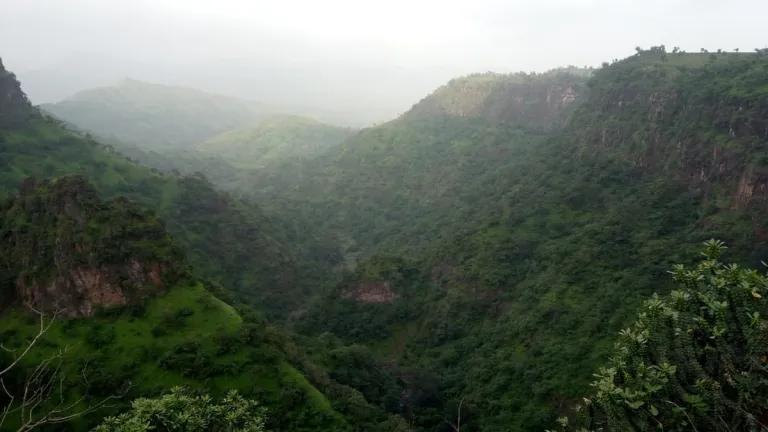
column 369, row 60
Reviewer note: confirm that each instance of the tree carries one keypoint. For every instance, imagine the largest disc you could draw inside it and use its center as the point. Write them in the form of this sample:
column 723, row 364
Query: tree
column 40, row 398
column 695, row 359
column 183, row 410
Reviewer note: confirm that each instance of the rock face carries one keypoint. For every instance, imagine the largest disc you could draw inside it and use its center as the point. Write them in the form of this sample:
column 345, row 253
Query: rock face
column 536, row 102
column 65, row 250
column 661, row 119
column 372, row 292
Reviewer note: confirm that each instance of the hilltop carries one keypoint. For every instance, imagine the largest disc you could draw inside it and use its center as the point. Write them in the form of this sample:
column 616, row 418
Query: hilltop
column 153, row 115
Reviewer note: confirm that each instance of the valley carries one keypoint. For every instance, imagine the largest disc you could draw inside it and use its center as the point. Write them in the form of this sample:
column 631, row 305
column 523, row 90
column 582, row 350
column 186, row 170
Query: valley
column 514, row 251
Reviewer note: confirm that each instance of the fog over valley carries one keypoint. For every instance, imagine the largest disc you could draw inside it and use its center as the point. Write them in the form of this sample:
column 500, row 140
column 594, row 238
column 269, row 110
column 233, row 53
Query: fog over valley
column 366, row 61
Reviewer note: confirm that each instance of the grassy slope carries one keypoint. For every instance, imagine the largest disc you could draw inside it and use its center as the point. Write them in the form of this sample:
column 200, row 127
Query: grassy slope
column 207, row 224
column 274, row 140
column 134, row 348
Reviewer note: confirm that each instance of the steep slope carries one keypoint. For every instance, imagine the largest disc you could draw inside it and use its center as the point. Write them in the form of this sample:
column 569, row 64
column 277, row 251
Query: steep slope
column 228, row 240
column 274, row 140
column 66, row 252
column 153, row 115
column 513, row 313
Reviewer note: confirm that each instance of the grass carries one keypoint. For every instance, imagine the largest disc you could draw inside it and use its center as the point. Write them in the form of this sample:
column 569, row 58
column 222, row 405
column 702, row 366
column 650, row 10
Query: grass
column 134, row 347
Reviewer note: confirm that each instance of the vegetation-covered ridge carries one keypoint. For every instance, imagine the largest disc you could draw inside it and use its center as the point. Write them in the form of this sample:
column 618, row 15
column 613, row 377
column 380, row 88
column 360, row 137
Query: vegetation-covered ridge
column 539, row 102
column 153, row 115
column 254, row 254
column 413, row 182
column 275, row 140
column 64, row 250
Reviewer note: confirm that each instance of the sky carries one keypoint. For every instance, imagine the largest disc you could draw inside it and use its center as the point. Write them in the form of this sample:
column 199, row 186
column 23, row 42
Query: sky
column 344, row 54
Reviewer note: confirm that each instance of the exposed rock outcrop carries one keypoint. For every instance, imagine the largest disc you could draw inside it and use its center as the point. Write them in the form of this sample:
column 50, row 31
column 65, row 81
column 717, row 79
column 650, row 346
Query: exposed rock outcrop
column 537, row 102
column 69, row 252
column 372, row 292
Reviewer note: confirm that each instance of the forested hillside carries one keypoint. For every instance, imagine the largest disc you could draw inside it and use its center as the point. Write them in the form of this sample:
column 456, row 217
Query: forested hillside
column 494, row 239
column 662, row 152
column 155, row 116
column 275, row 140
column 122, row 312
column 255, row 256
column 438, row 169
column 124, row 317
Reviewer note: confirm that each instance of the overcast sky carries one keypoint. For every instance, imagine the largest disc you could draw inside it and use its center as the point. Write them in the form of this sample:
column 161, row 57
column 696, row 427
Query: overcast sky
column 424, row 41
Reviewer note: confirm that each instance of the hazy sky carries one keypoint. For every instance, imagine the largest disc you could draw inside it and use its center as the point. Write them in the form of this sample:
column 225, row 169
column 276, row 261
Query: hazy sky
column 406, row 40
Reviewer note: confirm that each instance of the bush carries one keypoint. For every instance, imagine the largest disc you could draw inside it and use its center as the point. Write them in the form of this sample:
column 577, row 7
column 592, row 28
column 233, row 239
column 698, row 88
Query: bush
column 695, row 359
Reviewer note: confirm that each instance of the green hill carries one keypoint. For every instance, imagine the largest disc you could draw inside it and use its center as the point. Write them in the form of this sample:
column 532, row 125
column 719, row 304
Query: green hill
column 275, row 140
column 126, row 310
column 153, row 115
column 228, row 240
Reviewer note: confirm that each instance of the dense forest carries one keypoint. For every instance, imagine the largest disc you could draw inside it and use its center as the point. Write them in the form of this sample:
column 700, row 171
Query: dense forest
column 517, row 252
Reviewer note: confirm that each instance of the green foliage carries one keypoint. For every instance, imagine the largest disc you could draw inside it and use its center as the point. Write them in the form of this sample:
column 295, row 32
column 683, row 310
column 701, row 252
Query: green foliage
column 210, row 352
column 549, row 247
column 493, row 237
column 227, row 240
column 275, row 140
column 14, row 106
column 182, row 410
column 61, row 233
column 694, row 359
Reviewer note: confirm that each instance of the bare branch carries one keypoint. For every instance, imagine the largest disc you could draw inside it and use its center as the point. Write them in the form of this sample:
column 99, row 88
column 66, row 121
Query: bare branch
column 43, row 328
column 38, row 404
column 457, row 426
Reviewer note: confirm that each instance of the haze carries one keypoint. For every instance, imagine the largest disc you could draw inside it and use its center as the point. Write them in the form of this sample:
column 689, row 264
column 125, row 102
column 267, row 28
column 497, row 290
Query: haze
column 367, row 60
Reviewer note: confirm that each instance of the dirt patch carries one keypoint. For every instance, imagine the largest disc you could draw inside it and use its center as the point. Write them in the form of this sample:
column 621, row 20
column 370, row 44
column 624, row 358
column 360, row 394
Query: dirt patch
column 372, row 292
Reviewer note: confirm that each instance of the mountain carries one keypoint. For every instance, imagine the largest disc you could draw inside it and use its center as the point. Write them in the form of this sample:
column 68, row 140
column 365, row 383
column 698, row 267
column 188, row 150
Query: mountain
column 127, row 307
column 126, row 255
column 153, row 115
column 228, row 240
column 506, row 249
column 274, row 140
column 126, row 312
column 440, row 167
column 496, row 237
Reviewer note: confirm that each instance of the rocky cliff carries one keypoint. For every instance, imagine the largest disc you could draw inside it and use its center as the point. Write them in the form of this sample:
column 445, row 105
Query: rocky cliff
column 539, row 102
column 702, row 123
column 65, row 250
